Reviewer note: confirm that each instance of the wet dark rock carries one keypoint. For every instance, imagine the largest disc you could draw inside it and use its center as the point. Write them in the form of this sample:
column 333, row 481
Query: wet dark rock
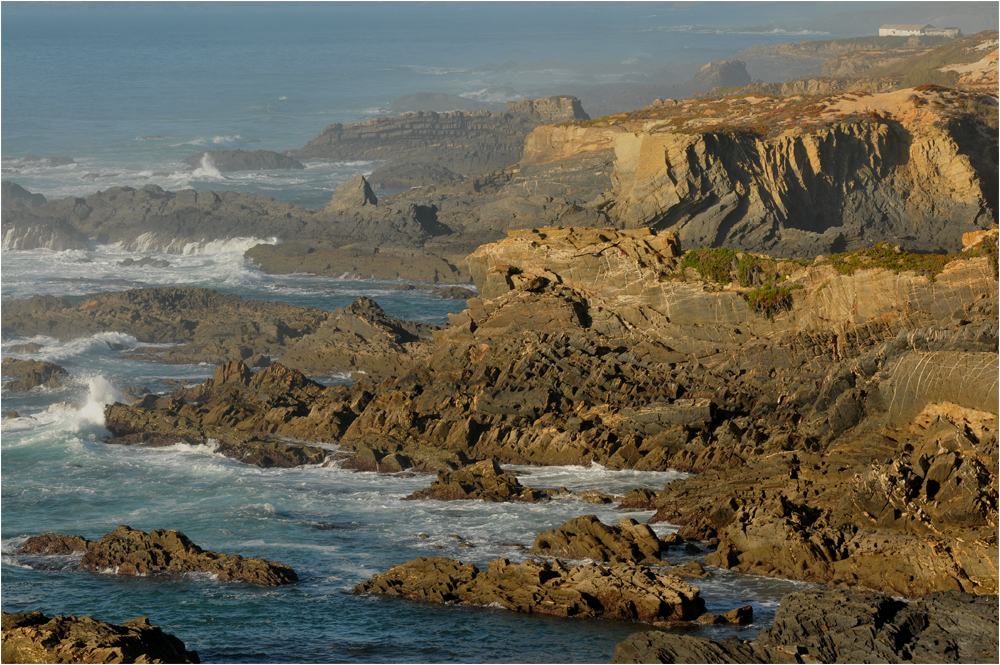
column 837, row 626
column 32, row 373
column 54, row 543
column 32, row 637
column 146, row 261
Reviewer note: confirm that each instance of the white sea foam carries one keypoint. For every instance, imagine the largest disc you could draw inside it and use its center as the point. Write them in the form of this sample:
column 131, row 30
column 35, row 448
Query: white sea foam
column 207, row 169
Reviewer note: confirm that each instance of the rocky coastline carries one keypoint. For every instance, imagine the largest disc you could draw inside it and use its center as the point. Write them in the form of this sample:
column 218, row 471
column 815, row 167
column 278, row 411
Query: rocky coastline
column 794, row 300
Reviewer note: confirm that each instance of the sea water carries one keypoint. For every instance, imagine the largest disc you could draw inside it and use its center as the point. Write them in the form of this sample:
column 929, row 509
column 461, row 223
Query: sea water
column 129, row 90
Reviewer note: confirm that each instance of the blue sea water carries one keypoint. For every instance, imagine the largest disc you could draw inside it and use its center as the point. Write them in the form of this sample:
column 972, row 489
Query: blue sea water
column 128, row 90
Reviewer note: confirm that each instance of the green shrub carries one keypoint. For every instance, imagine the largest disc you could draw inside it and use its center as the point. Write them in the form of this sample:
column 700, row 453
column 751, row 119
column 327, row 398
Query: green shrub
column 769, row 300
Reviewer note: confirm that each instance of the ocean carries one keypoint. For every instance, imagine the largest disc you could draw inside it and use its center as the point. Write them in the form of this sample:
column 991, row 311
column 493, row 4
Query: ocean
column 127, row 90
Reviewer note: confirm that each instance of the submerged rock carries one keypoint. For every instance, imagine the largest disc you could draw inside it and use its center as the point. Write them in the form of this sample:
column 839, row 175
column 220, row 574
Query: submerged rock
column 128, row 551
column 837, row 626
column 32, row 637
column 615, row 592
column 32, row 373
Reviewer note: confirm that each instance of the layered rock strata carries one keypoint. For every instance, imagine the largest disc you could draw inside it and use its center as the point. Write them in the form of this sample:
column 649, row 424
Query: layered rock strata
column 833, row 626
column 615, row 592
column 32, row 637
column 127, row 551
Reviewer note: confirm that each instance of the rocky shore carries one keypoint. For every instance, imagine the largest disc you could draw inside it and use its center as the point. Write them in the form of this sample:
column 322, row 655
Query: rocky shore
column 32, row 637
column 827, row 626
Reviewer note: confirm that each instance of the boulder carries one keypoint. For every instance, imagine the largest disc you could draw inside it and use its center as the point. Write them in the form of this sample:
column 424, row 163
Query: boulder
column 32, row 637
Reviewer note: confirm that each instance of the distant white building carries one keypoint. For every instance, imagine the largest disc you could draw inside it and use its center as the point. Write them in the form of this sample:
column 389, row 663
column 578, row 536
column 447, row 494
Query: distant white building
column 924, row 30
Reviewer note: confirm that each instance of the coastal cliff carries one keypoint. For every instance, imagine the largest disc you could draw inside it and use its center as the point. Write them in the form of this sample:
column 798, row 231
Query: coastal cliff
column 801, row 176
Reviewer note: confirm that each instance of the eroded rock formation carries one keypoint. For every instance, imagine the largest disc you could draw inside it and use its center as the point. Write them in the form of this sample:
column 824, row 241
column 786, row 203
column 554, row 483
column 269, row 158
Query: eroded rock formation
column 30, row 374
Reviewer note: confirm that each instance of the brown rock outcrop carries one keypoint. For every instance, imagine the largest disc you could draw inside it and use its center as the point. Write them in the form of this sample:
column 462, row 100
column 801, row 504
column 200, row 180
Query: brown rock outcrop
column 32, row 637
column 127, row 551
column 32, row 373
column 484, row 480
column 615, row 592
column 587, row 537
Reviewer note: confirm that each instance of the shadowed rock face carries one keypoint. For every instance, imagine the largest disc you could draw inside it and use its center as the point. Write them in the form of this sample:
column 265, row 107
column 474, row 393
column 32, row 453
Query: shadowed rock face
column 128, row 551
column 615, row 592
column 32, row 637
column 836, row 626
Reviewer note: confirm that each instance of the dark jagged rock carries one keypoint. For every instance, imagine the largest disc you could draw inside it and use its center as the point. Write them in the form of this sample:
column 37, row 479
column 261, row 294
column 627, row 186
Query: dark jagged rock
column 836, row 626
column 32, row 373
column 587, row 537
column 484, row 481
column 615, row 592
column 128, row 551
column 248, row 415
column 355, row 193
column 240, row 160
column 32, row 637
column 206, row 326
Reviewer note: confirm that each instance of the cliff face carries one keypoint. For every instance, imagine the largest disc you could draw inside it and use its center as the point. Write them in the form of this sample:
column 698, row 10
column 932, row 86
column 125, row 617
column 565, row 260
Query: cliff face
column 909, row 167
column 465, row 142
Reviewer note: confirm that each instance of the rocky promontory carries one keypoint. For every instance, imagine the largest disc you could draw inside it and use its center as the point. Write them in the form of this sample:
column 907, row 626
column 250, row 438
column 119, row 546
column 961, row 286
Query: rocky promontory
column 614, row 592
column 467, row 142
column 32, row 637
column 836, row 626
column 127, row 551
